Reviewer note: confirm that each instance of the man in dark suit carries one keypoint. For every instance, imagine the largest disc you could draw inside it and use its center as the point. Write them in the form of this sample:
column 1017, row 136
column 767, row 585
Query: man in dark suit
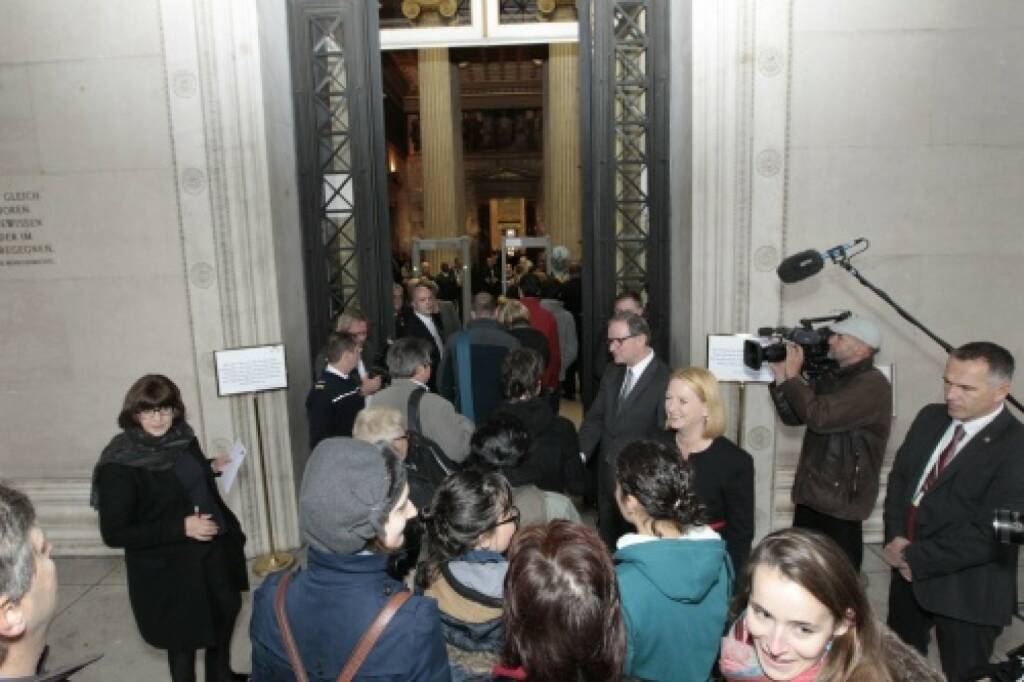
column 958, row 464
column 629, row 406
column 422, row 321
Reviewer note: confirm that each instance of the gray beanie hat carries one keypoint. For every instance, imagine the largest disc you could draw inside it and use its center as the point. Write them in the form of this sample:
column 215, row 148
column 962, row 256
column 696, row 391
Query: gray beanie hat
column 348, row 489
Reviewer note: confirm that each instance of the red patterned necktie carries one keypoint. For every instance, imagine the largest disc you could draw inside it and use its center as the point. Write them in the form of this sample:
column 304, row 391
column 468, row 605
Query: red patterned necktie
column 933, row 475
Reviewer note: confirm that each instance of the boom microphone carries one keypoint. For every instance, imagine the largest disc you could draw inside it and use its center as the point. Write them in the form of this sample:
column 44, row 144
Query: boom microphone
column 800, row 266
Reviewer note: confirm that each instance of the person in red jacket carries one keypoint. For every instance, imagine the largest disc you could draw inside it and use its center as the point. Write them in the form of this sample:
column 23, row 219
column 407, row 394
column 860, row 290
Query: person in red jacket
column 542, row 320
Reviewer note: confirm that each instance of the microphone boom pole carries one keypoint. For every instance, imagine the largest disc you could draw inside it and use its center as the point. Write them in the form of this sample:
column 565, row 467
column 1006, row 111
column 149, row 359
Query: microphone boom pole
column 845, row 264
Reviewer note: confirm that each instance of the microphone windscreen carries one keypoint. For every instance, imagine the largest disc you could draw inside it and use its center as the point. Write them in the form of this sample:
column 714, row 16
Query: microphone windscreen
column 800, row 266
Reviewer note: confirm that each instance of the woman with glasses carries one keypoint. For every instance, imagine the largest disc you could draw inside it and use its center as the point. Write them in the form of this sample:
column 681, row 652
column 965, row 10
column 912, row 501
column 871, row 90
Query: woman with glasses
column 156, row 496
column 469, row 526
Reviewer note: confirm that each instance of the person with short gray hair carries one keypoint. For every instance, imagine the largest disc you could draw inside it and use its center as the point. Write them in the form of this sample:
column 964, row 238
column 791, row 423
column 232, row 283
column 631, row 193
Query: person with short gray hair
column 28, row 591
column 406, row 356
column 409, row 364
column 382, row 425
column 961, row 461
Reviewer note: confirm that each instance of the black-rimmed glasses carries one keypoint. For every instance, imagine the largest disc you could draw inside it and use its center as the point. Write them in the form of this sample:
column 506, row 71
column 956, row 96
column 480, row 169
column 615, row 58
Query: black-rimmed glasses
column 513, row 517
column 619, row 340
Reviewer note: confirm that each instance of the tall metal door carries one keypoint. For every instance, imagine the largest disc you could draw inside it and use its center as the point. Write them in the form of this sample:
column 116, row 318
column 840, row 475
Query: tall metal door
column 339, row 125
column 624, row 69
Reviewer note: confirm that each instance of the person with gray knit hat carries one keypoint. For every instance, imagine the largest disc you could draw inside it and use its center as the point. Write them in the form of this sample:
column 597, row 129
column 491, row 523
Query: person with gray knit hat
column 848, row 414
column 353, row 509
column 342, row 508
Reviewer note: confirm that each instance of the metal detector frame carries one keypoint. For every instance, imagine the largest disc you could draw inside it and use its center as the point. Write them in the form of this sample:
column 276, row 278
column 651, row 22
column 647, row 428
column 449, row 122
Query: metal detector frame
column 521, row 243
column 460, row 244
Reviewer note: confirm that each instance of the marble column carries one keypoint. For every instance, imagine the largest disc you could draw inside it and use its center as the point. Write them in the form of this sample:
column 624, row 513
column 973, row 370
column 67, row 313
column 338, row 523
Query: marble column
column 444, row 203
column 562, row 147
column 739, row 107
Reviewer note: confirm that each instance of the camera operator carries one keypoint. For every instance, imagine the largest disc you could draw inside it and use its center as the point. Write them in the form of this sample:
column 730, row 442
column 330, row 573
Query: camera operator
column 959, row 463
column 848, row 416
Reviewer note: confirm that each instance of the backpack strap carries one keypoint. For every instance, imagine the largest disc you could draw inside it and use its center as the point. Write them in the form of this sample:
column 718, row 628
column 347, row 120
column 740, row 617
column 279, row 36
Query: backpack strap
column 465, row 367
column 413, row 418
column 363, row 647
column 372, row 634
column 280, row 596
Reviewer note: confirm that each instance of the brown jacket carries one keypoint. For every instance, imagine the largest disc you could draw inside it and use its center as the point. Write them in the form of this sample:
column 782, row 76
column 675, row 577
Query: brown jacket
column 848, row 418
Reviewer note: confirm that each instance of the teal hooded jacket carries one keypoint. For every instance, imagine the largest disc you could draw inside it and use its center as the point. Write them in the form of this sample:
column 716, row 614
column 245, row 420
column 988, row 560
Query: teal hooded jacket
column 675, row 599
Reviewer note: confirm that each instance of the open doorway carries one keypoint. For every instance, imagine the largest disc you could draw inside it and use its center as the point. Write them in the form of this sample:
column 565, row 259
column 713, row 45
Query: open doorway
column 358, row 203
column 488, row 182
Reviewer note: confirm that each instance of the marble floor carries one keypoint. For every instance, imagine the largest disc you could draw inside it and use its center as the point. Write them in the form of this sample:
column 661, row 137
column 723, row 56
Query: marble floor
column 94, row 616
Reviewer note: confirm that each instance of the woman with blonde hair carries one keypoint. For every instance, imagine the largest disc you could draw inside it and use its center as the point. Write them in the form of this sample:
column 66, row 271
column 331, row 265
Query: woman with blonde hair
column 515, row 318
column 805, row 617
column 724, row 472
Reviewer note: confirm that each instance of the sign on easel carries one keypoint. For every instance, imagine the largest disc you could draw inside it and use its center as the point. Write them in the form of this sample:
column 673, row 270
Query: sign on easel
column 725, row 360
column 253, row 369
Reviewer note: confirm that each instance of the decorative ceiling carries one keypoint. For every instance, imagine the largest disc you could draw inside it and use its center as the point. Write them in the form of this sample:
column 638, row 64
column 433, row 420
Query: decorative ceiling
column 506, row 77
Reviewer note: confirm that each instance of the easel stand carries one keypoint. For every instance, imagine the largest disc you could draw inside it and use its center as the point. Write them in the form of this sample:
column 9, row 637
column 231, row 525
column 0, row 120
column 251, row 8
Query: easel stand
column 740, row 412
column 274, row 561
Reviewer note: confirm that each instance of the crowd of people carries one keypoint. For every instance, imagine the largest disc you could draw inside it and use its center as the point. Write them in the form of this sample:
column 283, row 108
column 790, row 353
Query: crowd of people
column 442, row 517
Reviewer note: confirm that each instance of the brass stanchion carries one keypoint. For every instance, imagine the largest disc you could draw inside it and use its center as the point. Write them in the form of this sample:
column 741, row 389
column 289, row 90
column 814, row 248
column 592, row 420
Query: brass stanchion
column 741, row 412
column 273, row 561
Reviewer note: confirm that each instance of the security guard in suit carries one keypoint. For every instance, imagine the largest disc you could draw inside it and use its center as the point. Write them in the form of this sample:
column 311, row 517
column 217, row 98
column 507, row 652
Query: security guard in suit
column 335, row 400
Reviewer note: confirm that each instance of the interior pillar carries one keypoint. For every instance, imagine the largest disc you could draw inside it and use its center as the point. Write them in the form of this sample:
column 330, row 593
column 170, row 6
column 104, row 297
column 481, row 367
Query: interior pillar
column 444, row 201
column 562, row 147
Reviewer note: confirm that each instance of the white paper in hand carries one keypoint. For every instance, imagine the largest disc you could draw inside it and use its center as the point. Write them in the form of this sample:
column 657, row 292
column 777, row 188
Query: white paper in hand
column 230, row 471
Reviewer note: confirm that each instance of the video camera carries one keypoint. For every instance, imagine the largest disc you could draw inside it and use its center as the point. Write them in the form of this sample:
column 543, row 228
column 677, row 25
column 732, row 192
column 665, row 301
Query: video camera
column 770, row 345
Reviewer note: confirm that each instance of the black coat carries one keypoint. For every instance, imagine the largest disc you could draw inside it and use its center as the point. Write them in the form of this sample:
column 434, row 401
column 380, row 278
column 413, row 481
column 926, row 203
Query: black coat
column 144, row 512
column 724, row 484
column 612, row 427
column 553, row 462
column 960, row 570
column 412, row 325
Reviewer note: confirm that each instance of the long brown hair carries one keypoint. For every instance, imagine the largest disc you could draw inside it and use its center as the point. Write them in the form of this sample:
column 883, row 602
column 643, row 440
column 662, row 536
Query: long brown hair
column 817, row 564
column 563, row 617
column 149, row 392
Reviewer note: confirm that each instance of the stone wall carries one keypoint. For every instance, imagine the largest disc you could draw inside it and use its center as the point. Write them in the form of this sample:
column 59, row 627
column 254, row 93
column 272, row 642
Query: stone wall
column 133, row 171
column 818, row 121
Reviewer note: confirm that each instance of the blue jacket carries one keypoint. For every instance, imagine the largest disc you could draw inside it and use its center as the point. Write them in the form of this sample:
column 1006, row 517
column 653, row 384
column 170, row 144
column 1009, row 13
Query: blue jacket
column 330, row 605
column 675, row 599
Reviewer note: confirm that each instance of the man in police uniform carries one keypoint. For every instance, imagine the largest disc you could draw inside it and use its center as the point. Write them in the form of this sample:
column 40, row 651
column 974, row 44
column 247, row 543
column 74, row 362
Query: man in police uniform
column 334, row 400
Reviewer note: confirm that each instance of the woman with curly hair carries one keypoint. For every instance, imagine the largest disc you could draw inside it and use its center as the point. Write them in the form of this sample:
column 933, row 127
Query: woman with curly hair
column 674, row 573
column 469, row 525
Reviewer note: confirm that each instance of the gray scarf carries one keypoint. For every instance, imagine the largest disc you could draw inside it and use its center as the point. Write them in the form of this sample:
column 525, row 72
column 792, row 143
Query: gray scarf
column 136, row 448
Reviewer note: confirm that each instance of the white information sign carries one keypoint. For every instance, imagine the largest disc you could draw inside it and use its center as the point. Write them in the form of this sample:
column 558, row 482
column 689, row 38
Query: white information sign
column 725, row 360
column 250, row 370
